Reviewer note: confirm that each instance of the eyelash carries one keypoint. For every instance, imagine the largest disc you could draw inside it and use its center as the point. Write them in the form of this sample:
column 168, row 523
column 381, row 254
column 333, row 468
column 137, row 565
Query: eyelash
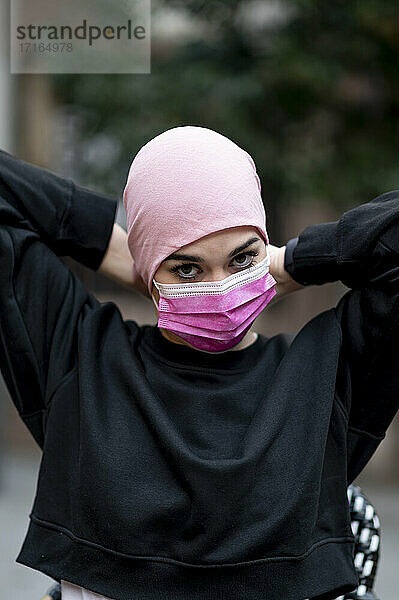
column 176, row 268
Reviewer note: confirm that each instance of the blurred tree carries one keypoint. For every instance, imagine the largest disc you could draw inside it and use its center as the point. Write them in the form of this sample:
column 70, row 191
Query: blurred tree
column 309, row 88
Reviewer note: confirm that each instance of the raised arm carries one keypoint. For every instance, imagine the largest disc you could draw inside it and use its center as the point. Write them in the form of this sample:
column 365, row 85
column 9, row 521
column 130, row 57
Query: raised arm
column 42, row 217
column 362, row 250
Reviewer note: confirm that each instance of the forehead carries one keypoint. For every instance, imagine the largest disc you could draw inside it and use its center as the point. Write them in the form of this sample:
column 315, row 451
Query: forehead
column 219, row 244
column 223, row 239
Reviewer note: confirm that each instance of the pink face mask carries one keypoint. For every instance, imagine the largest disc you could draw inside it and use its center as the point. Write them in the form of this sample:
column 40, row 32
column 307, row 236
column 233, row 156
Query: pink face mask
column 214, row 316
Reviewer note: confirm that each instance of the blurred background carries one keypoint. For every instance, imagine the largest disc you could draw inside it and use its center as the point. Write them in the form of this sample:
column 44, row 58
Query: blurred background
column 309, row 89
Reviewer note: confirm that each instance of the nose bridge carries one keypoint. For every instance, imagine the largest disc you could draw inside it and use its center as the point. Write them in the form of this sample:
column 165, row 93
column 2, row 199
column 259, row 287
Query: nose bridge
column 217, row 274
column 217, row 269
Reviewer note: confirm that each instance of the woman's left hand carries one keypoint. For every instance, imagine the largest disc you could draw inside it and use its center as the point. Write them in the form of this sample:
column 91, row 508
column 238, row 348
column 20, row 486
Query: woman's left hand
column 285, row 283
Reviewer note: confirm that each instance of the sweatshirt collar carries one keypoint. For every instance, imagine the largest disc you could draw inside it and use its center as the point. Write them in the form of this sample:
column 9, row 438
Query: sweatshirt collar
column 184, row 355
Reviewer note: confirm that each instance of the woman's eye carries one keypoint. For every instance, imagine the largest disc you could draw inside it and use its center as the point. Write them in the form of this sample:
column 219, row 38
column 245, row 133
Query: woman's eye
column 245, row 256
column 187, row 270
column 190, row 270
column 184, row 271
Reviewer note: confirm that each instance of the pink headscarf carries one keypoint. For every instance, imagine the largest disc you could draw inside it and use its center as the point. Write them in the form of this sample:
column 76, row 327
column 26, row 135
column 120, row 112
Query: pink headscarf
column 183, row 184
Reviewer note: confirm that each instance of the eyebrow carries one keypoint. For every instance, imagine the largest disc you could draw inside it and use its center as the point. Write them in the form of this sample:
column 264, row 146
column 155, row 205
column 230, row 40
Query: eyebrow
column 179, row 256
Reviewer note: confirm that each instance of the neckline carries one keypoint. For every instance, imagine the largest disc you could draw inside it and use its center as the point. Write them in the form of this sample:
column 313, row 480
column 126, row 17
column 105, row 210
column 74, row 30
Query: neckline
column 184, row 355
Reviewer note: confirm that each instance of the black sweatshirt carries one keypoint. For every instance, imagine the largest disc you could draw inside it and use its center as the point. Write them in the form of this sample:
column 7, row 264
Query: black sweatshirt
column 171, row 474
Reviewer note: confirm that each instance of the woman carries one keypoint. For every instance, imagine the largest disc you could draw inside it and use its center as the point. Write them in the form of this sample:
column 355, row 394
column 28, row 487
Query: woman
column 194, row 458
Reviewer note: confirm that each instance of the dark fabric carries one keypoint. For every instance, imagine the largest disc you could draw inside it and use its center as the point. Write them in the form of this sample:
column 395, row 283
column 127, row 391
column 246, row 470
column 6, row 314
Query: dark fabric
column 361, row 249
column 43, row 216
column 167, row 472
column 366, row 528
column 288, row 254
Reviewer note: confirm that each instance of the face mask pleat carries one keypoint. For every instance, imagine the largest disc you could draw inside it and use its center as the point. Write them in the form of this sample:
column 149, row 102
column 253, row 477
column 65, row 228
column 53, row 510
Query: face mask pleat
column 227, row 321
column 217, row 333
column 205, row 303
column 212, row 345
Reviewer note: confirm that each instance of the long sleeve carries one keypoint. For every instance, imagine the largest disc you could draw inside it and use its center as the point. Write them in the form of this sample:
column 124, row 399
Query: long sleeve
column 361, row 249
column 44, row 216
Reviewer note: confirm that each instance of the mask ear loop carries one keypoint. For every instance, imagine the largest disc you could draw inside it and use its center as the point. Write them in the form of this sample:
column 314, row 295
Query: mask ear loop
column 152, row 295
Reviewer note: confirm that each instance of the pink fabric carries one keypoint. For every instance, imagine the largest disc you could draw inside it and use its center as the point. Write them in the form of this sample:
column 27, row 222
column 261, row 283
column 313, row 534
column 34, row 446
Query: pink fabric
column 218, row 329
column 212, row 344
column 183, row 184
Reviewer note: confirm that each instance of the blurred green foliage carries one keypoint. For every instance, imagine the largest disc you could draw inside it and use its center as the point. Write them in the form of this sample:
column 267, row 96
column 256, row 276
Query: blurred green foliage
column 312, row 95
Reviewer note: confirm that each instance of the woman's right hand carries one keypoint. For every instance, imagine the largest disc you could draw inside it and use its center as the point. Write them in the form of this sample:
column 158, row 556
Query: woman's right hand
column 117, row 263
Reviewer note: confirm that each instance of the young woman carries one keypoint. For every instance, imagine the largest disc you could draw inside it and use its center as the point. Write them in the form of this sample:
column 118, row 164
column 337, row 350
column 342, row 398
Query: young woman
column 194, row 458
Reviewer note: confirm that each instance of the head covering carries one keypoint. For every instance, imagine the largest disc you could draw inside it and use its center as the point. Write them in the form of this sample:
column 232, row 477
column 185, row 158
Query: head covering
column 183, row 184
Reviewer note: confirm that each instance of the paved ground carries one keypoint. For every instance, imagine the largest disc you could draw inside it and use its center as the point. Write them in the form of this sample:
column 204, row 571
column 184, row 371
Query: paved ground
column 17, row 489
